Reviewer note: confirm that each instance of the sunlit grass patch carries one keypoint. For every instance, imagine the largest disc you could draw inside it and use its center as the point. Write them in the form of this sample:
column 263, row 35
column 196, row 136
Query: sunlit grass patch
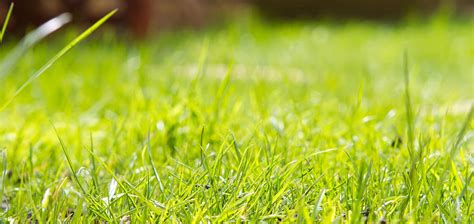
column 246, row 122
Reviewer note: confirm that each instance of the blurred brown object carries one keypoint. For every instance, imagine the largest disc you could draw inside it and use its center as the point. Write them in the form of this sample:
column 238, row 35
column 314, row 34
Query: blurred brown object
column 369, row 9
column 169, row 14
column 139, row 17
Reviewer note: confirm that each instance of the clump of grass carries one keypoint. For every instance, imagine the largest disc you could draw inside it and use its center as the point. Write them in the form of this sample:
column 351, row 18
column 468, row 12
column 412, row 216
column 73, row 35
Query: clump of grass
column 249, row 122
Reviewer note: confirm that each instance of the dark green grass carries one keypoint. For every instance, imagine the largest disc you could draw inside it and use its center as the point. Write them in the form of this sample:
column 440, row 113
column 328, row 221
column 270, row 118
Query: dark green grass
column 255, row 122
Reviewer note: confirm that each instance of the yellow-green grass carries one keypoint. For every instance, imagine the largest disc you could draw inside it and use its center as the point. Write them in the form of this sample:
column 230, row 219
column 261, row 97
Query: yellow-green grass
column 249, row 121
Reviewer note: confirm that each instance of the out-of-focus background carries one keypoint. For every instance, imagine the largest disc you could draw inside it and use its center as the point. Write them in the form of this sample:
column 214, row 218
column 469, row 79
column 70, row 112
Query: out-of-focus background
column 143, row 17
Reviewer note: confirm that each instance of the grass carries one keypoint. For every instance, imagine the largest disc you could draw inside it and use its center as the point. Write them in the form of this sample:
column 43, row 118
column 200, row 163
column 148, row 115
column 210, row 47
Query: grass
column 246, row 122
column 5, row 23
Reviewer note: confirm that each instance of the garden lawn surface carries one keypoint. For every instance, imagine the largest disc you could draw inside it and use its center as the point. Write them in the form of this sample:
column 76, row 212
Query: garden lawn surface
column 249, row 121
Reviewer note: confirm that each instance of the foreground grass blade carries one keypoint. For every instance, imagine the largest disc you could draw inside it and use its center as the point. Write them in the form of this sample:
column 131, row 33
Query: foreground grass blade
column 317, row 206
column 408, row 106
column 4, row 172
column 155, row 172
column 69, row 162
column 56, row 57
column 30, row 40
column 5, row 23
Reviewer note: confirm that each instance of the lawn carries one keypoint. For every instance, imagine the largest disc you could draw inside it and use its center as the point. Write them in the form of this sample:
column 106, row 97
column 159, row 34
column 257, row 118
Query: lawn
column 247, row 121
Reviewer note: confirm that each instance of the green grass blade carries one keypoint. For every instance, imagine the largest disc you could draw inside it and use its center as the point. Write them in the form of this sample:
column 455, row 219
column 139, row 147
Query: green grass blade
column 317, row 206
column 30, row 40
column 69, row 161
column 155, row 172
column 5, row 23
column 3, row 176
column 95, row 179
column 56, row 57
column 201, row 67
column 408, row 106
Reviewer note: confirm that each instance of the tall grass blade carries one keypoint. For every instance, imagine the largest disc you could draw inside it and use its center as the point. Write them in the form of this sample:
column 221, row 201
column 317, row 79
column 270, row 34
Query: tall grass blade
column 4, row 172
column 408, row 105
column 155, row 172
column 201, row 67
column 56, row 57
column 69, row 161
column 95, row 180
column 317, row 206
column 5, row 23
column 30, row 40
